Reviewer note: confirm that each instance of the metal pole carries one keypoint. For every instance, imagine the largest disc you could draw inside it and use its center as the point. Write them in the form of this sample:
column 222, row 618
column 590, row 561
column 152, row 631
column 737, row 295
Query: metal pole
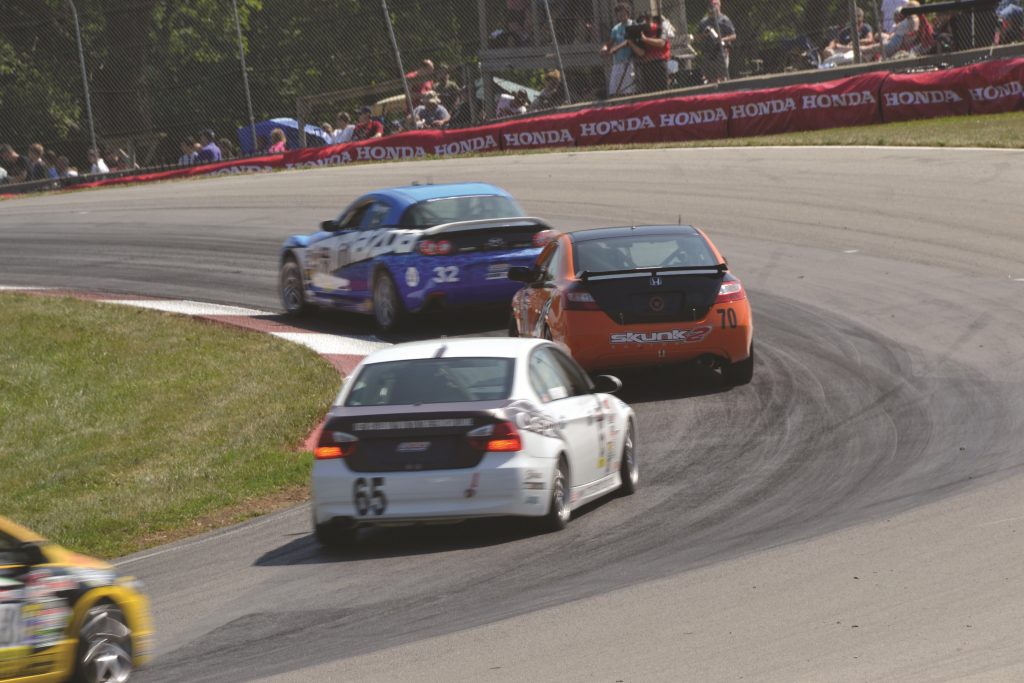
column 878, row 27
column 854, row 32
column 245, row 76
column 558, row 52
column 85, row 79
column 398, row 55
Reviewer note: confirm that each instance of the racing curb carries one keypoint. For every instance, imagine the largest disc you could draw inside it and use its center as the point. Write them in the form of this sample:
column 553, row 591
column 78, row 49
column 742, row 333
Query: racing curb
column 343, row 352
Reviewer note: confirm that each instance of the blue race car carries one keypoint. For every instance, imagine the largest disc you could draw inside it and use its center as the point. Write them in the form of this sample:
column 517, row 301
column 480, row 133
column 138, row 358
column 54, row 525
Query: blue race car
column 393, row 252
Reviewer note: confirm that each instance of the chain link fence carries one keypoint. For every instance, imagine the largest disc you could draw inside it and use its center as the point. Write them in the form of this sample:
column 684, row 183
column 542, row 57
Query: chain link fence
column 160, row 72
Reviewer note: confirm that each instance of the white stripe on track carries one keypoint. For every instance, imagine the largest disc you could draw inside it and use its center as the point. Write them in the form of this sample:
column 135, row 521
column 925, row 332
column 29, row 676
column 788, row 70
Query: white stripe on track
column 331, row 344
column 188, row 307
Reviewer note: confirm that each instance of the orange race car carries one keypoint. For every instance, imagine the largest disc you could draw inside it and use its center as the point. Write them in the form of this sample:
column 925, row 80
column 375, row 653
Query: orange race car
column 620, row 297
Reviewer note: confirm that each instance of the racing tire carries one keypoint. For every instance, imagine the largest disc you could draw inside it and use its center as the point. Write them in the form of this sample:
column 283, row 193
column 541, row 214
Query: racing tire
column 513, row 328
column 737, row 374
column 336, row 534
column 104, row 646
column 292, row 289
column 629, row 468
column 387, row 303
column 559, row 510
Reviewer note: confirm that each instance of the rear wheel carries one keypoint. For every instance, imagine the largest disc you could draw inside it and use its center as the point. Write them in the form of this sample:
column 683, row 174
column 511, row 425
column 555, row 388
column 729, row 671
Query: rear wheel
column 629, row 470
column 559, row 510
column 742, row 372
column 104, row 646
column 335, row 534
column 292, row 290
column 387, row 304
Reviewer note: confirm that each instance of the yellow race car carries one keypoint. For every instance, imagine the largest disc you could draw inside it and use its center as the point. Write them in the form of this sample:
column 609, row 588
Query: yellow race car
column 65, row 616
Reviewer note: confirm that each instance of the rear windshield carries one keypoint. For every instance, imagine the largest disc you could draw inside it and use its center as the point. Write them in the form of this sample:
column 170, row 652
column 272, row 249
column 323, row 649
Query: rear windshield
column 642, row 251
column 452, row 209
column 432, row 380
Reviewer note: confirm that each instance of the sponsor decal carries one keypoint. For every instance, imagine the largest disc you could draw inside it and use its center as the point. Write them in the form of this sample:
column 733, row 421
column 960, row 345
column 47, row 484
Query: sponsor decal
column 388, row 425
column 690, row 336
column 601, row 128
column 765, row 108
column 537, row 137
column 528, row 417
column 413, row 446
column 846, row 99
column 690, row 118
column 497, row 271
column 906, row 98
column 997, row 92
column 389, row 152
column 412, row 277
column 477, row 144
column 655, row 281
column 241, row 168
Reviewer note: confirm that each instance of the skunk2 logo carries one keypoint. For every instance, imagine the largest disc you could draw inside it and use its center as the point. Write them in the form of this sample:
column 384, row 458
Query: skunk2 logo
column 695, row 334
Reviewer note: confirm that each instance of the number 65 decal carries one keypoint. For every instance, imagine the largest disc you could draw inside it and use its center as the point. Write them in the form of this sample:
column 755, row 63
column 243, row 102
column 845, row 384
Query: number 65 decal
column 444, row 274
column 369, row 498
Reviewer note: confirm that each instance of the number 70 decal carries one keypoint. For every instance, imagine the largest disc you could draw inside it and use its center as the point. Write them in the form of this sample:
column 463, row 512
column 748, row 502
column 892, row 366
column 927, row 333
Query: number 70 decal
column 444, row 274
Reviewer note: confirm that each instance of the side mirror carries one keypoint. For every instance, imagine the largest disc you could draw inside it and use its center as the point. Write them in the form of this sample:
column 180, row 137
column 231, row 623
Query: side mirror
column 607, row 384
column 329, row 226
column 522, row 274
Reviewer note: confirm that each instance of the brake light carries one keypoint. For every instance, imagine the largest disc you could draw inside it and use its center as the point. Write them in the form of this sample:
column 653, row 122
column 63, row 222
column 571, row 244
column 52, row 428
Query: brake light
column 434, row 247
column 502, row 437
column 577, row 298
column 731, row 290
column 543, row 237
column 335, row 445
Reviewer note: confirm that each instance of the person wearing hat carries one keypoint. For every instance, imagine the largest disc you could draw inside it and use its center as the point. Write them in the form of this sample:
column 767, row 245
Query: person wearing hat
column 367, row 128
column 209, row 151
column 430, row 114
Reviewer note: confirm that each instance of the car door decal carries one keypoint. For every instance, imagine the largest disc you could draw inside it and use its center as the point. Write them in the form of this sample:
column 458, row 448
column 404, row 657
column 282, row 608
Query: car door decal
column 538, row 326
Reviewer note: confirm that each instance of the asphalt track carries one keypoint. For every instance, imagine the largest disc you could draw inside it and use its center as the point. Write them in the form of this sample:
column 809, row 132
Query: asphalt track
column 853, row 514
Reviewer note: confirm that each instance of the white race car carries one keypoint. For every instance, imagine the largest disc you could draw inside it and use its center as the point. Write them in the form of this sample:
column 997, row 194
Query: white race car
column 444, row 430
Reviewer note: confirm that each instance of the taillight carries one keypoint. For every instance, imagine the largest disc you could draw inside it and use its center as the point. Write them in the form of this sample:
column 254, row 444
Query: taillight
column 543, row 237
column 731, row 290
column 577, row 298
column 434, row 247
column 501, row 437
column 335, row 445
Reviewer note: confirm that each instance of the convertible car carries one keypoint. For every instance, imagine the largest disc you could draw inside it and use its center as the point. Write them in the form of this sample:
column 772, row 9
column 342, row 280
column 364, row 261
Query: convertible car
column 65, row 615
column 646, row 295
column 397, row 251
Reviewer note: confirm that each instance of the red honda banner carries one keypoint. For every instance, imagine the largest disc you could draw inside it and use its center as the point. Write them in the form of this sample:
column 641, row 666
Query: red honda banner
column 846, row 102
column 996, row 86
column 554, row 130
column 414, row 144
column 925, row 95
column 469, row 141
column 668, row 120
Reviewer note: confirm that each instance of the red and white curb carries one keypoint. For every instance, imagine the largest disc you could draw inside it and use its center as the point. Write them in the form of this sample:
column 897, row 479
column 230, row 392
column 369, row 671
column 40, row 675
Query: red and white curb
column 343, row 351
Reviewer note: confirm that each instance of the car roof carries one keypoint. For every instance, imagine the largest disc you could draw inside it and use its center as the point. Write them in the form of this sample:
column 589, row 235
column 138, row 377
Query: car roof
column 634, row 230
column 460, row 347
column 419, row 193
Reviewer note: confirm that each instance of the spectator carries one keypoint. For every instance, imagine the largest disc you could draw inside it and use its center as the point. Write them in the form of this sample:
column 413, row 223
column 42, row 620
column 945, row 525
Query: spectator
column 906, row 36
column 189, row 152
column 36, row 166
column 278, row 143
column 209, row 151
column 1009, row 22
column 653, row 51
column 511, row 105
column 50, row 161
column 17, row 166
column 552, row 94
column 430, row 114
column 65, row 169
column 228, row 150
column 446, row 88
column 716, row 35
column 367, row 128
column 328, row 130
column 889, row 8
column 844, row 41
column 622, row 78
column 97, row 165
column 421, row 81
column 343, row 128
column 3, row 175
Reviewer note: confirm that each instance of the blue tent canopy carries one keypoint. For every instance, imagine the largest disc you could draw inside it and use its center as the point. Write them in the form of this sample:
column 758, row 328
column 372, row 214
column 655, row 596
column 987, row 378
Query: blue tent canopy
column 315, row 136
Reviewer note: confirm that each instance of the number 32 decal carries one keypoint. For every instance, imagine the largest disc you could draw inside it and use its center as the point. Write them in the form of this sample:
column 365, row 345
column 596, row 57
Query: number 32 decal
column 444, row 274
column 369, row 498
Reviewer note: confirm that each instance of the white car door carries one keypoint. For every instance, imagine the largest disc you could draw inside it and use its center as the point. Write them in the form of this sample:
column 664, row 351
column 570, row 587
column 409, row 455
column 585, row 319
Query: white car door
column 573, row 408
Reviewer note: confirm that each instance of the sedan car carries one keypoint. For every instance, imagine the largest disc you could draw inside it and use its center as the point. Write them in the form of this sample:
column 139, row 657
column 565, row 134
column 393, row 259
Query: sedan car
column 399, row 250
column 66, row 615
column 621, row 297
column 445, row 430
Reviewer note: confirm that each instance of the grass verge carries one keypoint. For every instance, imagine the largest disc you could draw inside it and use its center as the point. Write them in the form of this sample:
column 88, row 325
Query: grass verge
column 122, row 427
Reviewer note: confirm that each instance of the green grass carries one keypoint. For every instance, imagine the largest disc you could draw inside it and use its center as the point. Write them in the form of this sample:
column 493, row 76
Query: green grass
column 120, row 427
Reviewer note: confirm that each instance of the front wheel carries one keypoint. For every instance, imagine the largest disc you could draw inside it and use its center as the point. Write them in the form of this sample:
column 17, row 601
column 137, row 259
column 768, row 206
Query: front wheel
column 740, row 373
column 104, row 646
column 629, row 469
column 387, row 304
column 293, row 295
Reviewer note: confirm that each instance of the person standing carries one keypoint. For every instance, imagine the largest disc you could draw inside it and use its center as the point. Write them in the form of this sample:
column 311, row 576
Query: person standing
column 717, row 35
column 653, row 51
column 622, row 78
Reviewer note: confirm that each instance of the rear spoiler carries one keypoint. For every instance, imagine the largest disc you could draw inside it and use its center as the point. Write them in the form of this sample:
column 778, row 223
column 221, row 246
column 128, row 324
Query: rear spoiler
column 489, row 224
column 719, row 269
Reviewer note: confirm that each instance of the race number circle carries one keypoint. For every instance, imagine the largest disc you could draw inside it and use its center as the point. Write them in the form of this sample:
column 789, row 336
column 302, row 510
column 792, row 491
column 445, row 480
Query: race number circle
column 412, row 277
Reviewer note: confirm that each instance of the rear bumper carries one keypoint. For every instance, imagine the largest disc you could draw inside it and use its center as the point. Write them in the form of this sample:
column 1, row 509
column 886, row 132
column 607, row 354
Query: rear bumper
column 502, row 484
column 475, row 279
column 597, row 342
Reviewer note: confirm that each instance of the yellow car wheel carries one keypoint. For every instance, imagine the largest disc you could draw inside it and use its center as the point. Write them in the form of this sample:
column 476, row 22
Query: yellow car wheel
column 104, row 646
